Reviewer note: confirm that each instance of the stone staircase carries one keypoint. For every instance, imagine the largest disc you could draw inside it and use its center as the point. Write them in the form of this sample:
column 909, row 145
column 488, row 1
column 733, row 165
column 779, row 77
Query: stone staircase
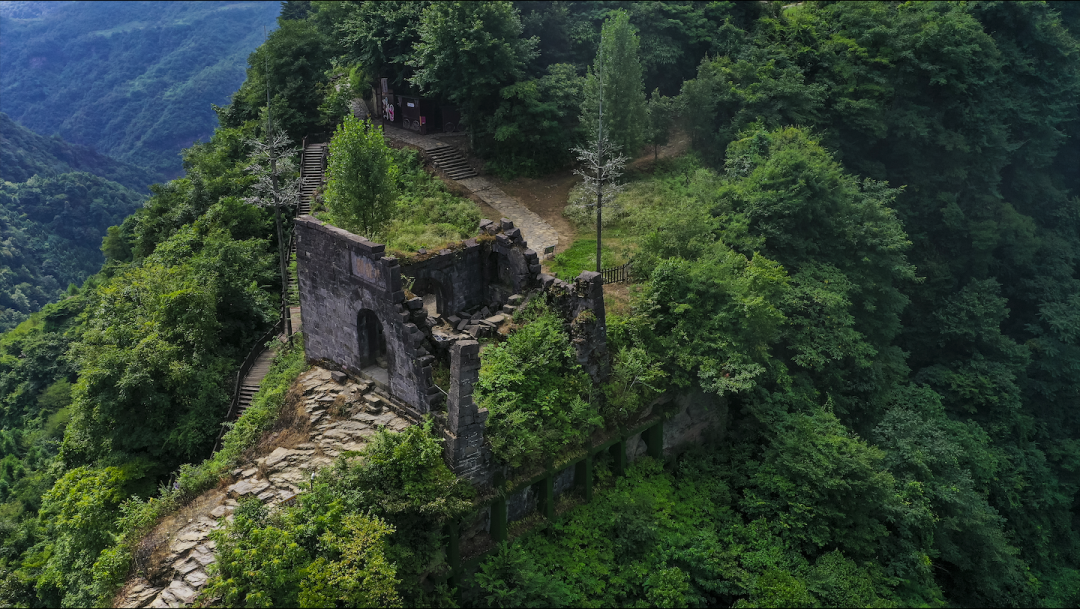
column 254, row 377
column 450, row 160
column 311, row 176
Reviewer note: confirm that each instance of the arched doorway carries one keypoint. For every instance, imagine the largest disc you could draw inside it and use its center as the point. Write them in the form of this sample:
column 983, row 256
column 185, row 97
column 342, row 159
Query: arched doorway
column 371, row 339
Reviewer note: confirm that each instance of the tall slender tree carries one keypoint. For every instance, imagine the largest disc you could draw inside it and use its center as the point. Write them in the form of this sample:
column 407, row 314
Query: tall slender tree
column 619, row 87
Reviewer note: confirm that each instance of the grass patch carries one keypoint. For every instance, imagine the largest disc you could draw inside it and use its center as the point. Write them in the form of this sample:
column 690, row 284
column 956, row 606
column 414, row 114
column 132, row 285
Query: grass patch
column 426, row 214
column 581, row 256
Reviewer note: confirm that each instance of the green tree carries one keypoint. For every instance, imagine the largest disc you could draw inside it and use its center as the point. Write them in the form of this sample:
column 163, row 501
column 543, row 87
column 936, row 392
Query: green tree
column 533, row 122
column 362, row 576
column 381, row 35
column 616, row 78
column 468, row 51
column 293, row 64
column 536, row 392
column 662, row 112
column 362, row 178
column 79, row 512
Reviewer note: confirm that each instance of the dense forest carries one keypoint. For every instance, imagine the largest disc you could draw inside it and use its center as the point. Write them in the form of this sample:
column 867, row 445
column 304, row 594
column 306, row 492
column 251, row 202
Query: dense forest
column 132, row 80
column 870, row 254
column 57, row 200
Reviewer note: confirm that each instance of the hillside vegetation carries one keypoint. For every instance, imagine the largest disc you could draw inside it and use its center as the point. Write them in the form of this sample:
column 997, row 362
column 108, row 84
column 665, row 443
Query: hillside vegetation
column 133, row 80
column 57, row 201
column 871, row 253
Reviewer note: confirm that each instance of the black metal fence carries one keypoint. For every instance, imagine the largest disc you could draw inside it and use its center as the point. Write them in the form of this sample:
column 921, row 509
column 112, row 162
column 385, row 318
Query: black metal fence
column 618, row 274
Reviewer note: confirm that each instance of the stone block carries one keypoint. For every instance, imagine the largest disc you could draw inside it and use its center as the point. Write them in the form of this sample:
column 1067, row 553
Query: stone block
column 339, row 377
column 509, row 309
column 515, row 299
column 462, row 325
column 513, row 234
column 415, row 303
column 534, row 268
column 454, row 320
column 506, row 224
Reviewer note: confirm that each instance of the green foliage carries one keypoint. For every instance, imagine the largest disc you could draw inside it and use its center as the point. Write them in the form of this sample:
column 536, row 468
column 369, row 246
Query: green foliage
column 343, row 86
column 363, row 534
column 78, row 512
column 362, row 577
column 135, row 82
column 616, row 77
column 292, row 63
column 662, row 112
column 381, row 37
column 362, row 177
column 154, row 358
column 534, row 123
column 138, row 516
column 821, row 486
column 537, row 394
column 467, row 51
column 669, row 537
column 425, row 213
column 52, row 230
column 714, row 318
column 581, row 256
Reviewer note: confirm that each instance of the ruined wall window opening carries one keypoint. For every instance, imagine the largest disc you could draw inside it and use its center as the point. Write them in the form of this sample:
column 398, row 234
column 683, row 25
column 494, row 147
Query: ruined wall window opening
column 434, row 295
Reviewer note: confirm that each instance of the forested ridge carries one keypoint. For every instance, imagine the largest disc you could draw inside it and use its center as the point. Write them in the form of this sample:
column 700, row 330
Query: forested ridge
column 133, row 80
column 871, row 253
column 57, row 201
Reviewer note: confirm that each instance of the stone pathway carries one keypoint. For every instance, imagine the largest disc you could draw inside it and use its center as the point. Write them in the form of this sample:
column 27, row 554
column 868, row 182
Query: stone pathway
column 538, row 233
column 343, row 415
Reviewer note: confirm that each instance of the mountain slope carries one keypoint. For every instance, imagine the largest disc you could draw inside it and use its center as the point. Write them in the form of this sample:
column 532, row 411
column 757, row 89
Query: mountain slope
column 134, row 80
column 57, row 201
column 24, row 154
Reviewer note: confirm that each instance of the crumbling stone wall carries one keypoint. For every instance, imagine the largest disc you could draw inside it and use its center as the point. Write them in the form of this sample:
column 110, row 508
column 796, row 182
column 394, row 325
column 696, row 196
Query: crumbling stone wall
column 581, row 304
column 341, row 274
column 463, row 432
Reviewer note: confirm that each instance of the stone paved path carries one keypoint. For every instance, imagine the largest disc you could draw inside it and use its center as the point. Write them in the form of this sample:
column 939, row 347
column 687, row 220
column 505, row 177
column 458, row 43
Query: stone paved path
column 538, row 233
column 342, row 415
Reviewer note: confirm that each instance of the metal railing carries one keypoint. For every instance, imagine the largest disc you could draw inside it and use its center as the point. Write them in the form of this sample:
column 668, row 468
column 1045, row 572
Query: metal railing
column 249, row 361
column 618, row 274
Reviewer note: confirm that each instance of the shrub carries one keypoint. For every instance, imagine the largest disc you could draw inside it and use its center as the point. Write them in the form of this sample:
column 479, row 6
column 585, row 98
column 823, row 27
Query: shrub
column 536, row 392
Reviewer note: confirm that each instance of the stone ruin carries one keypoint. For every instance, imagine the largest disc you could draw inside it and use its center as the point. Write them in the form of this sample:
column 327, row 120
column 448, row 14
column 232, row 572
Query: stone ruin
column 357, row 318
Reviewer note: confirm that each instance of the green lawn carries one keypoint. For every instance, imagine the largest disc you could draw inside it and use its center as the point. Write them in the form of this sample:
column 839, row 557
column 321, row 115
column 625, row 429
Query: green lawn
column 581, row 256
